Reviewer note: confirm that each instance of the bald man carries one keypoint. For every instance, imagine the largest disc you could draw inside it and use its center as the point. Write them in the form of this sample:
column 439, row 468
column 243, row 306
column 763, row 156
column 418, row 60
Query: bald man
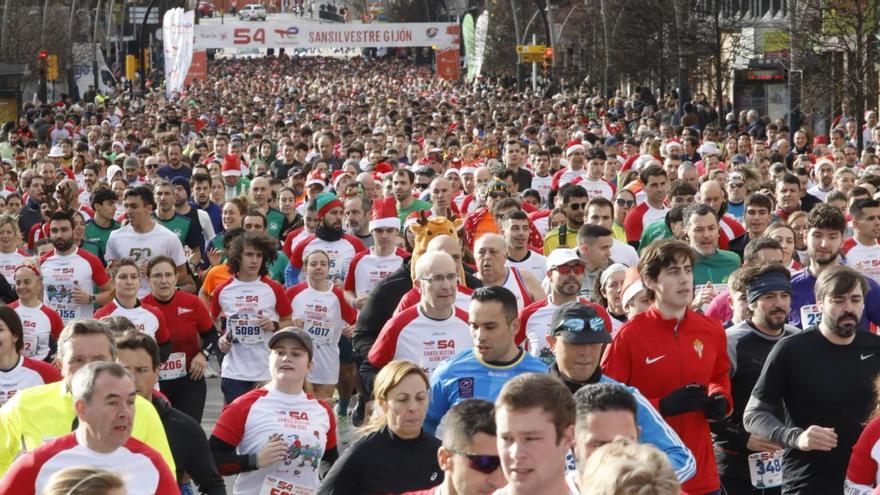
column 713, row 195
column 441, row 198
column 490, row 251
column 372, row 189
column 434, row 329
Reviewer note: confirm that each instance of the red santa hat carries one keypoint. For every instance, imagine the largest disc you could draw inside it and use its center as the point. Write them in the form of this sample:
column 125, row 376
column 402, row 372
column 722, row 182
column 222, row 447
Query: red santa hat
column 383, row 168
column 231, row 166
column 574, row 147
column 316, row 177
column 384, row 214
column 337, row 175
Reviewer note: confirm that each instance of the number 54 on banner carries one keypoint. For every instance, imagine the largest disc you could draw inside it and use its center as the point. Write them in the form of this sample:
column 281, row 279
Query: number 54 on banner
column 246, row 36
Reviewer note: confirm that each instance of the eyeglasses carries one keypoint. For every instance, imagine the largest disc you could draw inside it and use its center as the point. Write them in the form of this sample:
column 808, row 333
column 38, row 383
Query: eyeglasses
column 486, row 464
column 578, row 269
column 577, row 206
column 437, row 279
column 626, row 202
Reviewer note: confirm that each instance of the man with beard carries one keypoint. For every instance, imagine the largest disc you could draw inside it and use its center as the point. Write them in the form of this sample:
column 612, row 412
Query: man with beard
column 824, row 378
column 356, row 219
column 328, row 237
column 768, row 290
column 825, row 230
column 71, row 274
column 402, row 181
column 574, row 204
column 201, row 199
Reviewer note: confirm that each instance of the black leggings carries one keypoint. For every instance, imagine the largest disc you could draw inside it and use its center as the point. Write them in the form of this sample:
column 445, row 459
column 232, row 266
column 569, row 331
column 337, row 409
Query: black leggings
column 186, row 395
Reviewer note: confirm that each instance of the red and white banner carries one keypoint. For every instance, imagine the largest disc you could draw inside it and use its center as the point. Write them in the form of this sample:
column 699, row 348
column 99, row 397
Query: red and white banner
column 305, row 34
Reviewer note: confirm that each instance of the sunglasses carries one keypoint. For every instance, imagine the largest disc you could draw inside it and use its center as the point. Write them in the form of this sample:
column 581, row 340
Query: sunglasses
column 566, row 269
column 736, row 184
column 422, row 186
column 151, row 166
column 486, row 464
column 577, row 206
column 626, row 202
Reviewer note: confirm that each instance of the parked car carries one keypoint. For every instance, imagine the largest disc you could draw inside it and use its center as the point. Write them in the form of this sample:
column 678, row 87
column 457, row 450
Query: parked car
column 205, row 9
column 252, row 12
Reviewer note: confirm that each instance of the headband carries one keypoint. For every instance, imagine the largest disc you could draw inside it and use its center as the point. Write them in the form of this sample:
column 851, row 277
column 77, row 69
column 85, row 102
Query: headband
column 768, row 282
column 611, row 270
column 30, row 267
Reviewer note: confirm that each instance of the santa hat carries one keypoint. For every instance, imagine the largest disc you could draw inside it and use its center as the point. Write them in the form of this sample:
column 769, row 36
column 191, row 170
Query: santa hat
column 468, row 170
column 573, row 148
column 231, row 166
column 316, row 177
column 383, row 167
column 632, row 285
column 337, row 175
column 326, row 202
column 384, row 214
column 826, row 159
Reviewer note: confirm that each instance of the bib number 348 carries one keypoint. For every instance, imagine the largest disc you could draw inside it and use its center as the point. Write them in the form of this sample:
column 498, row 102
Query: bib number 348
column 765, row 469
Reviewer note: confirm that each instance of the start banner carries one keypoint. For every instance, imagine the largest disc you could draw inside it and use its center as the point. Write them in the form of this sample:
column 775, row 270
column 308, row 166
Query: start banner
column 304, row 34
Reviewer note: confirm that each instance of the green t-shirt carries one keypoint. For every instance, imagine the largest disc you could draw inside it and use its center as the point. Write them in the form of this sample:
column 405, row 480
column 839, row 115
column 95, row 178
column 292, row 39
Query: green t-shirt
column 99, row 235
column 178, row 224
column 275, row 221
column 416, row 205
column 716, row 268
column 93, row 248
column 656, row 231
column 276, row 270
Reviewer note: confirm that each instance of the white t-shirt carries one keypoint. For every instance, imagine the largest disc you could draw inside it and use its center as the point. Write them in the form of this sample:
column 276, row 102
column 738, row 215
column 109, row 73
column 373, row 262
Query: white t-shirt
column 597, row 188
column 864, row 259
column 243, row 303
column 341, row 253
column 367, row 270
column 62, row 274
column 543, row 185
column 622, row 252
column 324, row 315
column 142, row 247
column 38, row 324
column 415, row 337
column 26, row 373
column 145, row 318
column 9, row 262
column 306, row 424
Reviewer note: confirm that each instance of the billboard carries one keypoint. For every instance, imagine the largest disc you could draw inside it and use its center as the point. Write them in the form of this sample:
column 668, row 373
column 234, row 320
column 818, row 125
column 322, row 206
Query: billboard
column 304, row 34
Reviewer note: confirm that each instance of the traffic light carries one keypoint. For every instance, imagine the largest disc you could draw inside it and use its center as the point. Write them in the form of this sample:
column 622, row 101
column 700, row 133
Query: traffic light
column 41, row 67
column 52, row 68
column 548, row 55
column 130, row 67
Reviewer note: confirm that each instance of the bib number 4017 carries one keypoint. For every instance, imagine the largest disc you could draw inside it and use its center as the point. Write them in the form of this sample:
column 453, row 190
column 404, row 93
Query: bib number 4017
column 246, row 36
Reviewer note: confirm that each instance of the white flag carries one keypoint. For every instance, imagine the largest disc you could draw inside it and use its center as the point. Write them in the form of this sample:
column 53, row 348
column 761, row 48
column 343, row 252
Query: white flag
column 177, row 32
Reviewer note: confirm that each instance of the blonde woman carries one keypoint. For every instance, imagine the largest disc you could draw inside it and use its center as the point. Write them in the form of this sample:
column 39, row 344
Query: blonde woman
column 625, row 468
column 395, row 455
column 84, row 481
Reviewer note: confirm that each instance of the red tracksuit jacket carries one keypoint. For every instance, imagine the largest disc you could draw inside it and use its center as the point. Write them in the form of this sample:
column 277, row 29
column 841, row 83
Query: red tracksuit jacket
column 654, row 356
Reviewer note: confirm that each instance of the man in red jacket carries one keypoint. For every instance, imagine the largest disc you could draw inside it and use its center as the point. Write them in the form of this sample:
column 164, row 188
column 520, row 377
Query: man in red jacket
column 677, row 358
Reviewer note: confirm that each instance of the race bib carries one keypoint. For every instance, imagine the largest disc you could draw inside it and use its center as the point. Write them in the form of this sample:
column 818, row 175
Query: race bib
column 174, row 367
column 274, row 485
column 244, row 330
column 321, row 335
column 765, row 469
column 810, row 316
column 30, row 344
column 67, row 312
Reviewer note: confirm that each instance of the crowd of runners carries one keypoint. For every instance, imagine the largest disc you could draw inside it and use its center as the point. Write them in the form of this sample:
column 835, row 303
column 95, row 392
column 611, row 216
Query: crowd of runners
column 413, row 286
